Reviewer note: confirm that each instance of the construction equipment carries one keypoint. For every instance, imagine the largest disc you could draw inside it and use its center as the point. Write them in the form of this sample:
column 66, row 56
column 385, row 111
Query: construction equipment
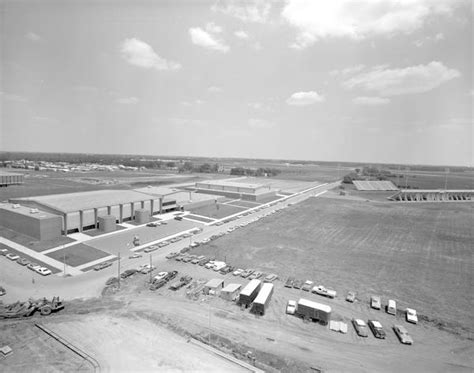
column 28, row 308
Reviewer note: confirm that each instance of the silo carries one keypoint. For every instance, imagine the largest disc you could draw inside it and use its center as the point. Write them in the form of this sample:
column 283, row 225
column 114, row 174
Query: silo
column 107, row 223
column 142, row 216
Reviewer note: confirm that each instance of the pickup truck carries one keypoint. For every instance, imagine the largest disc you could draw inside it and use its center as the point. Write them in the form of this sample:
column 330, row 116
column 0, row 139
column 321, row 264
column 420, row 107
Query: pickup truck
column 411, row 316
column 321, row 290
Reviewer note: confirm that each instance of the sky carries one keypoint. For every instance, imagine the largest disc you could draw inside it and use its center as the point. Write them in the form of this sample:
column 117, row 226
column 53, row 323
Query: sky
column 382, row 81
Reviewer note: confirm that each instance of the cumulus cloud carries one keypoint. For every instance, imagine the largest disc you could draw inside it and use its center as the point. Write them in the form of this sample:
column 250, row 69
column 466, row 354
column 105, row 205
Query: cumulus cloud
column 215, row 89
column 241, row 34
column 127, row 100
column 347, row 71
column 260, row 123
column 370, row 101
column 305, row 98
column 31, row 36
column 394, row 82
column 315, row 20
column 208, row 38
column 247, row 11
column 429, row 39
column 138, row 53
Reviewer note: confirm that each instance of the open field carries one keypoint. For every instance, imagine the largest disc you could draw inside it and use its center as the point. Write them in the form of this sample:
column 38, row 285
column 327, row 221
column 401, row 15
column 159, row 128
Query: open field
column 420, row 255
column 77, row 254
column 435, row 180
column 217, row 211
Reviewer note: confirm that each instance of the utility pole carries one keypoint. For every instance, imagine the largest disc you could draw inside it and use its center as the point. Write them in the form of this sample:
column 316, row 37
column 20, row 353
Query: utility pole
column 64, row 263
column 150, row 268
column 118, row 275
column 446, row 179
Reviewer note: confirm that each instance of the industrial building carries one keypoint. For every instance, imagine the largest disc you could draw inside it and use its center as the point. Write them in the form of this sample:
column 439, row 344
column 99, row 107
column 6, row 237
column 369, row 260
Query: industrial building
column 10, row 178
column 431, row 195
column 235, row 189
column 30, row 221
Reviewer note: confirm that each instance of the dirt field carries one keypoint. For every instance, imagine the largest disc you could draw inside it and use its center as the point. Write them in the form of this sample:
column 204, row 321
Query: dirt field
column 419, row 255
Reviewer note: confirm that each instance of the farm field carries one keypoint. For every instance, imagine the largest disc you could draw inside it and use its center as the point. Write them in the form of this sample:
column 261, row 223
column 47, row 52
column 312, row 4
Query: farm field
column 419, row 255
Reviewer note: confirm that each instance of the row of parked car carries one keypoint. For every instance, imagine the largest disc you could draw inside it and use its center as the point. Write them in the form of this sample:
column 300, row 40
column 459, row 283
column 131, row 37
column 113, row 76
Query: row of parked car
column 35, row 267
column 378, row 331
column 308, row 286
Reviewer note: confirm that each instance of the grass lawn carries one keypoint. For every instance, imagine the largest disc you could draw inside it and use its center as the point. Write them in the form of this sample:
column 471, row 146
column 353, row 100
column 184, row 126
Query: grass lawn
column 420, row 255
column 217, row 211
column 78, row 254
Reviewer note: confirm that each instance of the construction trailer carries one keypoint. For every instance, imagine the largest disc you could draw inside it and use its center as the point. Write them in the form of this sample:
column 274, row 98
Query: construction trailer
column 214, row 286
column 230, row 292
column 249, row 292
column 263, row 298
column 314, row 311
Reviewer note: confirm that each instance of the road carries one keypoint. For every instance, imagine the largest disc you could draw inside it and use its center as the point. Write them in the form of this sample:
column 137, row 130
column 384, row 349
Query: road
column 22, row 284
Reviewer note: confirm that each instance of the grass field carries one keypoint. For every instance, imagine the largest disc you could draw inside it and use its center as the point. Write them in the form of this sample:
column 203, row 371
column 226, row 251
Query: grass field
column 218, row 211
column 419, row 255
column 33, row 243
column 77, row 254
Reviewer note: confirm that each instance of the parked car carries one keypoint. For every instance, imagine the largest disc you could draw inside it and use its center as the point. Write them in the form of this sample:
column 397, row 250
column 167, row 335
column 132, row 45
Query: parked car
column 289, row 282
column 375, row 302
column 151, row 248
column 291, row 307
column 171, row 255
column 153, row 224
column 209, row 265
column 187, row 258
column 3, row 252
column 226, row 270
column 111, row 281
column 171, row 275
column 103, row 265
column 135, row 256
column 403, row 335
column 377, row 329
column 411, row 316
column 179, row 218
column 12, row 256
column 128, row 273
column 23, row 261
column 247, row 273
column 238, row 272
column 146, row 268
column 160, row 276
column 270, row 278
column 155, row 285
column 255, row 275
column 391, row 307
column 297, row 284
column 43, row 271
column 351, row 297
column 321, row 290
column 33, row 266
column 360, row 327
column 307, row 285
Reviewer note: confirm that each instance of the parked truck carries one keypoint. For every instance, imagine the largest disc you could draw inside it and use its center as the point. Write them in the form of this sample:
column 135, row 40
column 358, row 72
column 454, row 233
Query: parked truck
column 249, row 293
column 314, row 311
column 263, row 298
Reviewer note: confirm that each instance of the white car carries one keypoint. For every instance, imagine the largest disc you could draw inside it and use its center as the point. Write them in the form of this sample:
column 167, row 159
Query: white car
column 43, row 271
column 411, row 316
column 160, row 276
column 146, row 268
column 238, row 272
column 210, row 265
column 321, row 290
column 291, row 307
column 12, row 256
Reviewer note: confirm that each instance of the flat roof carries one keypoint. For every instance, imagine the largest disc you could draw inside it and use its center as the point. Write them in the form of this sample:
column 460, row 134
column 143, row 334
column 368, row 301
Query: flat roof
column 71, row 202
column 264, row 293
column 26, row 211
column 319, row 306
column 230, row 183
column 158, row 191
column 250, row 287
column 231, row 288
column 214, row 283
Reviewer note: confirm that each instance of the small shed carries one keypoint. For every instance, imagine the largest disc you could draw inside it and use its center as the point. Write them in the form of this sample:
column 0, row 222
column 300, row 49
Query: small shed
column 213, row 286
column 6, row 350
column 230, row 292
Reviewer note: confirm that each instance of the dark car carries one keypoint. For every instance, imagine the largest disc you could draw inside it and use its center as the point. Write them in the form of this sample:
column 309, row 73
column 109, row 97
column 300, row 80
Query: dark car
column 297, row 284
column 171, row 275
column 178, row 218
column 360, row 327
column 23, row 261
column 403, row 335
column 111, row 281
column 100, row 266
column 128, row 273
column 377, row 329
column 289, row 282
column 157, row 284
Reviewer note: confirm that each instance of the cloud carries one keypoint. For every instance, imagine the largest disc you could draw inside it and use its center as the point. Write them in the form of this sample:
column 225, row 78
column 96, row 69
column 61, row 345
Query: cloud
column 260, row 123
column 127, row 100
column 214, row 89
column 241, row 34
column 31, row 36
column 436, row 38
column 213, row 28
column 356, row 20
column 207, row 39
column 305, row 98
column 13, row 97
column 348, row 70
column 247, row 11
column 370, row 101
column 140, row 54
column 394, row 82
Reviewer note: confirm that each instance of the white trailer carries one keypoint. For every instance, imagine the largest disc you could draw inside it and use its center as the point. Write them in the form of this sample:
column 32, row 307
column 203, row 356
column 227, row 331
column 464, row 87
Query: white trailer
column 249, row 292
column 263, row 298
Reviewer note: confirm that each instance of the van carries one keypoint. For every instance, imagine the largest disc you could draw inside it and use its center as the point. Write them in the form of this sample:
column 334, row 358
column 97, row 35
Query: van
column 391, row 307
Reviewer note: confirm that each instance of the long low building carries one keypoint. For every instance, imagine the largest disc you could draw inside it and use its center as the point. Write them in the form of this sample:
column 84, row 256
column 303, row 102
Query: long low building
column 433, row 195
column 10, row 178
column 236, row 189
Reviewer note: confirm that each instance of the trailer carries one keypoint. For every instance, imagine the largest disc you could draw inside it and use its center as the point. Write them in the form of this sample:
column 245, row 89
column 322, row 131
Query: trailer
column 263, row 298
column 249, row 292
column 230, row 292
column 314, row 311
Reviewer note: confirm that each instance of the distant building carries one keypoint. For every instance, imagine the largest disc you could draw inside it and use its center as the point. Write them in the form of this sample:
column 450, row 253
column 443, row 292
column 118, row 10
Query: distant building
column 235, row 189
column 10, row 178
